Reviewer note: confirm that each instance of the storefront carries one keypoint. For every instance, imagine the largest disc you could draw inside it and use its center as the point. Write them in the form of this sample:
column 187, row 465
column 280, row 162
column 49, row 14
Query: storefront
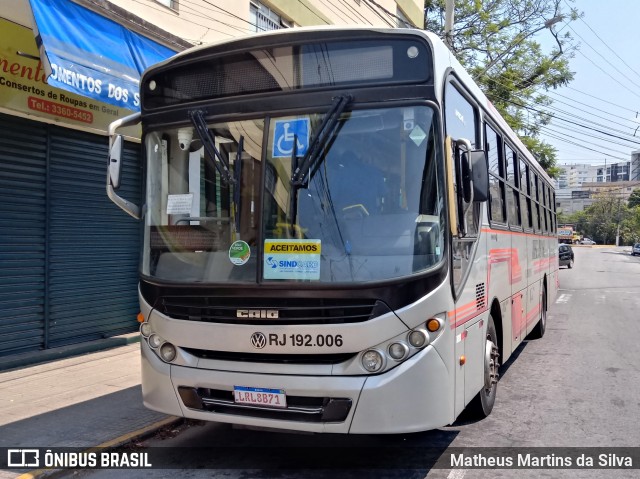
column 68, row 256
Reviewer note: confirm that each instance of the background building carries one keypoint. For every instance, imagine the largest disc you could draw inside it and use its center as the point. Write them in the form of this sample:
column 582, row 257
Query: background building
column 205, row 21
column 635, row 166
column 578, row 185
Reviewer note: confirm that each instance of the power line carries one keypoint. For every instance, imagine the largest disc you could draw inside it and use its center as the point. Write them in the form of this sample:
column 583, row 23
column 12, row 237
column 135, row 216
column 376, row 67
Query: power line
column 153, row 33
column 609, row 75
column 579, row 109
column 590, row 106
column 341, row 11
column 555, row 116
column 600, row 99
column 232, row 15
column 523, row 105
column 601, row 161
column 305, row 6
column 407, row 23
column 586, row 119
column 546, row 127
column 357, row 12
column 582, row 146
column 605, row 43
column 603, row 57
column 574, row 123
column 184, row 19
column 584, row 126
column 368, row 5
column 553, row 131
column 204, row 14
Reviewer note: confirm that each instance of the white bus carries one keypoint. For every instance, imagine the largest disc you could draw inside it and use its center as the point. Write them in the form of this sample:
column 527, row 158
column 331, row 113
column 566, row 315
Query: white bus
column 340, row 234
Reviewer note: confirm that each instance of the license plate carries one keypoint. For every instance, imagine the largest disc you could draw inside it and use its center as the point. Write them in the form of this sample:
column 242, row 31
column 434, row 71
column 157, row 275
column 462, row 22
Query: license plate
column 259, row 396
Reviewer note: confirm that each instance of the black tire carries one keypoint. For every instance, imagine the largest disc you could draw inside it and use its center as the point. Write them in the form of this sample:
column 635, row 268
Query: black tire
column 538, row 331
column 570, row 265
column 482, row 405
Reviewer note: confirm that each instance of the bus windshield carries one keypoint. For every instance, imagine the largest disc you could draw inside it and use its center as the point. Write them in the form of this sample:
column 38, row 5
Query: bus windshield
column 370, row 207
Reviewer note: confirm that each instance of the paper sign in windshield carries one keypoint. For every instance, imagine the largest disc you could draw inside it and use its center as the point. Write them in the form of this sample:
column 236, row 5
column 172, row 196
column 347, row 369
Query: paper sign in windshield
column 179, row 204
column 292, row 259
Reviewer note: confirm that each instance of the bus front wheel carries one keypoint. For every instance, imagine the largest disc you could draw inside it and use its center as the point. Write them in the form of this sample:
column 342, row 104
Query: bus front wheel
column 482, row 405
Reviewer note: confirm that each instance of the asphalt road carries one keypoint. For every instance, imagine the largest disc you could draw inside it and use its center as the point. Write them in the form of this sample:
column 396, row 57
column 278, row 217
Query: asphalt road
column 579, row 386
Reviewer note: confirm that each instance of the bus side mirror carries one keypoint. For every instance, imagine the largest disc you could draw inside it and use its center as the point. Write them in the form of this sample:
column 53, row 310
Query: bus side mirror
column 479, row 175
column 115, row 161
column 114, row 167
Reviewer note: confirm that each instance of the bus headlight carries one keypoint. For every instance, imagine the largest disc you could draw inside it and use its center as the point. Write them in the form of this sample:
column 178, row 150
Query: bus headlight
column 145, row 329
column 372, row 361
column 398, row 351
column 155, row 341
column 418, row 338
column 168, row 352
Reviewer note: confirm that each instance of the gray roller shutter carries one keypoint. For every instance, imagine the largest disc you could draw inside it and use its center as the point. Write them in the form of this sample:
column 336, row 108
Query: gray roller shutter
column 68, row 255
column 23, row 154
column 93, row 249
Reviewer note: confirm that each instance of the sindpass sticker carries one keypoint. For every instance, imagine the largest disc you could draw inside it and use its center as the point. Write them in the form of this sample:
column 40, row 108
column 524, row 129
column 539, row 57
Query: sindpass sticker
column 292, row 259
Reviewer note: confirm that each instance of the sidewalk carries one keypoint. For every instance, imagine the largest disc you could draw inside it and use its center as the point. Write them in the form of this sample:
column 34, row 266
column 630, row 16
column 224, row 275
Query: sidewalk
column 83, row 401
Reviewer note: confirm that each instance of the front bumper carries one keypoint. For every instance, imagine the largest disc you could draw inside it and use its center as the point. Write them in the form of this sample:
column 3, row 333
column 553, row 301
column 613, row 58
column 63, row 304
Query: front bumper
column 417, row 395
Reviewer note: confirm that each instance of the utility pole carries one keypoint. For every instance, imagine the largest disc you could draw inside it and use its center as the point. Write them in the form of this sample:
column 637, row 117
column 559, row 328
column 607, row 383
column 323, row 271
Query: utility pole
column 618, row 228
column 448, row 23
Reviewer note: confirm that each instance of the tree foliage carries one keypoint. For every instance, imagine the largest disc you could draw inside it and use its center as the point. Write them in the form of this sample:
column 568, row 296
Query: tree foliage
column 631, row 225
column 496, row 40
column 634, row 198
column 607, row 217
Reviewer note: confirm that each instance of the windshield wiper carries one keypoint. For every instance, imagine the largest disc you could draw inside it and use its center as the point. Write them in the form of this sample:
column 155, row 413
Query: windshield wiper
column 293, row 197
column 209, row 143
column 311, row 159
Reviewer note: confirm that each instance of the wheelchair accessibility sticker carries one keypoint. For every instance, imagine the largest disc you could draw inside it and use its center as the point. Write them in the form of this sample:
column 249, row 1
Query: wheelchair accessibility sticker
column 285, row 132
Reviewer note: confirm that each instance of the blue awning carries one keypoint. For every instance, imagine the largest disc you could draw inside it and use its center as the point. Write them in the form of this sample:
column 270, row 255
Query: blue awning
column 90, row 55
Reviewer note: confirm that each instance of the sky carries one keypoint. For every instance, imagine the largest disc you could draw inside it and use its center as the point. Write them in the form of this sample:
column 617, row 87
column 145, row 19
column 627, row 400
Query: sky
column 604, row 97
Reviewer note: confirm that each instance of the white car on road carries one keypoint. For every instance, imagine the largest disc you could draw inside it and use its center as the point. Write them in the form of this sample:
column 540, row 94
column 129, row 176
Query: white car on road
column 588, row 241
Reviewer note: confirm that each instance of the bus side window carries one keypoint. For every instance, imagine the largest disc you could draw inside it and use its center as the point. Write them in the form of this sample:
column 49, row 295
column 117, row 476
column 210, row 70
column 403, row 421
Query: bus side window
column 460, row 123
column 538, row 212
column 513, row 196
column 493, row 143
column 525, row 202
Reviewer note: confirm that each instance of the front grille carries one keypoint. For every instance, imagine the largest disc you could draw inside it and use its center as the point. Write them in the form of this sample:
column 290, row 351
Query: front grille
column 289, row 310
column 299, row 408
column 272, row 358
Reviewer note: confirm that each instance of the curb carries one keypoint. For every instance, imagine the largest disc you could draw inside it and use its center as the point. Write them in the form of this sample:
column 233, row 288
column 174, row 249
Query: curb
column 111, row 444
column 63, row 352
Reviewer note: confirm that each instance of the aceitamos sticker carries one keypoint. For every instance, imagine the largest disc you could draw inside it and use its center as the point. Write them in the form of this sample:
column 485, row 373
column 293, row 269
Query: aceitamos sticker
column 292, row 259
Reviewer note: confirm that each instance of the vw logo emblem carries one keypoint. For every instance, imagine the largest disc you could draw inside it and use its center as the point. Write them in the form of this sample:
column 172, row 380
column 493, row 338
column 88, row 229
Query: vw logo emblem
column 258, row 340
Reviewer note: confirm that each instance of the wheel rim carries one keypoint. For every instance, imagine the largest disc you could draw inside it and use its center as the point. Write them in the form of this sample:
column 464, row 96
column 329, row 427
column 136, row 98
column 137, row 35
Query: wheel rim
column 491, row 356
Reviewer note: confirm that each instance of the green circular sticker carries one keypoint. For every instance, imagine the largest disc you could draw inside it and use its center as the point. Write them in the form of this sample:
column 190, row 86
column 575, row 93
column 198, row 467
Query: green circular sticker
column 239, row 252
